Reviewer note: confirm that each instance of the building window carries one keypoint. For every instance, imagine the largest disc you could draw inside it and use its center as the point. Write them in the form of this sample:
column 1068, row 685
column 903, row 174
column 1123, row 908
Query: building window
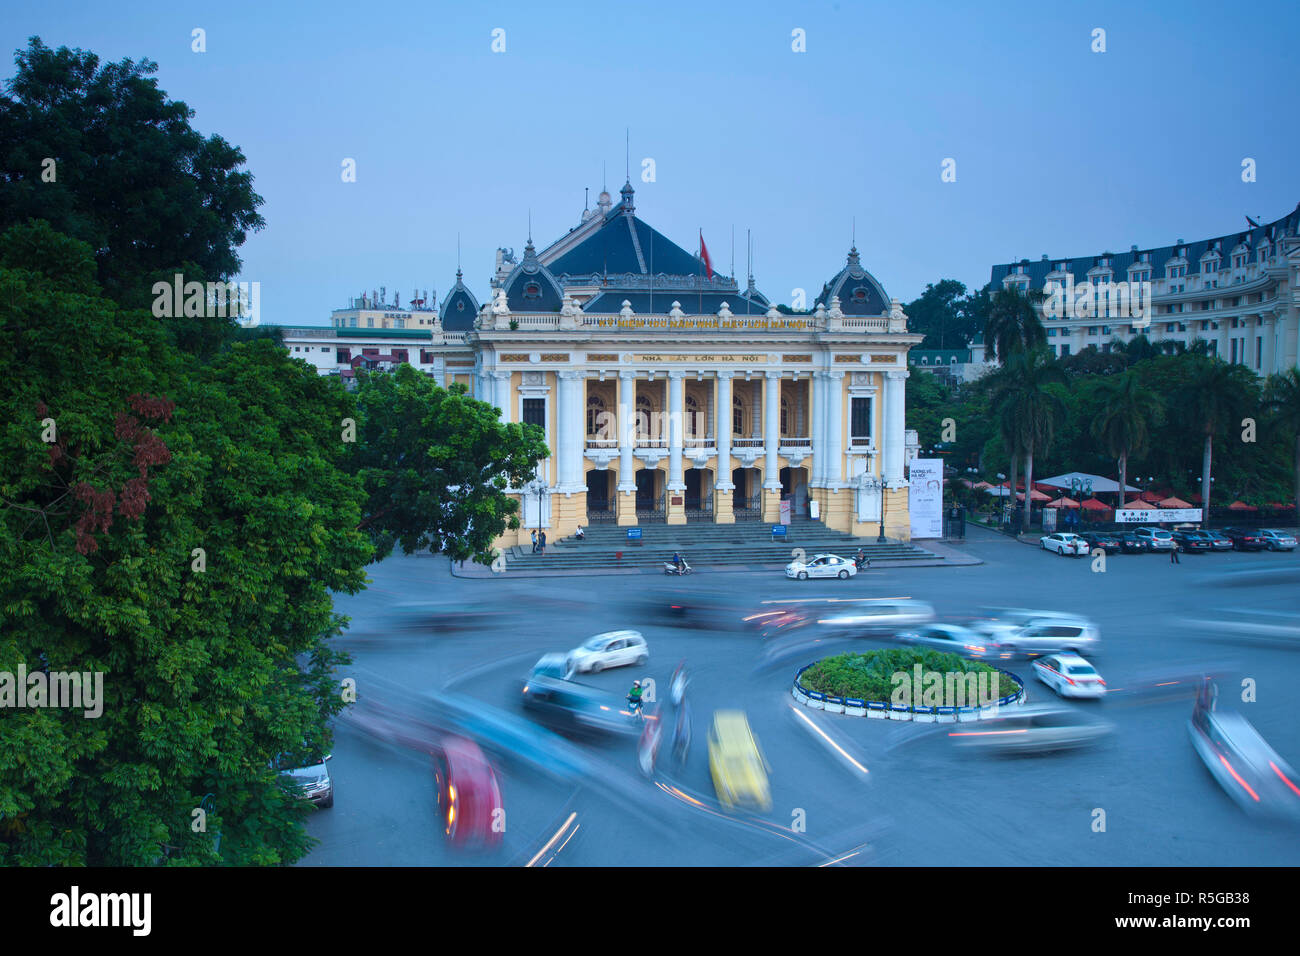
column 1259, row 351
column 532, row 290
column 737, row 416
column 399, row 323
column 535, row 412
column 595, row 409
column 860, row 421
column 693, row 427
column 785, row 415
column 352, row 321
column 343, row 356
column 1065, row 350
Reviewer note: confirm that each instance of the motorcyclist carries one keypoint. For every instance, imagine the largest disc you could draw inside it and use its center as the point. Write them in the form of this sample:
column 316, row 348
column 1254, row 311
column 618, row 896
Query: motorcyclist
column 677, row 562
column 634, row 697
column 861, row 559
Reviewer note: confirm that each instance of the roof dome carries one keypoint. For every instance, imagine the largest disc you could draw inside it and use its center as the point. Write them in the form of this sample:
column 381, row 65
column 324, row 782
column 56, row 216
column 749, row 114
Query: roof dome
column 858, row 291
column 459, row 308
column 531, row 287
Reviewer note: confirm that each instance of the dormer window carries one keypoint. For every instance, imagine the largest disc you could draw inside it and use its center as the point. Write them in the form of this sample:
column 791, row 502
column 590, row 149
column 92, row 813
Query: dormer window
column 532, row 290
column 860, row 294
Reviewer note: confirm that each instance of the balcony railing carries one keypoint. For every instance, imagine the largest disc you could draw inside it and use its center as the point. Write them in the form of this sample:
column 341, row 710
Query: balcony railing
column 788, row 441
column 746, row 443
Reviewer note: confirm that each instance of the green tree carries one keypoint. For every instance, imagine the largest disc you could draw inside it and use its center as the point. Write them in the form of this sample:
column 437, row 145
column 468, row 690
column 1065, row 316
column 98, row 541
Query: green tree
column 120, row 458
column 1013, row 323
column 1282, row 399
column 132, row 178
column 1124, row 423
column 1214, row 399
column 1030, row 408
column 436, row 464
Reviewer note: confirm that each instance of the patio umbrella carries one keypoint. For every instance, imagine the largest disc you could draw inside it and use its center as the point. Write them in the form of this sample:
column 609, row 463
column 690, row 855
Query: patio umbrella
column 1092, row 504
column 1172, row 502
column 1241, row 506
column 1062, row 502
column 1279, row 505
column 1138, row 504
column 981, row 485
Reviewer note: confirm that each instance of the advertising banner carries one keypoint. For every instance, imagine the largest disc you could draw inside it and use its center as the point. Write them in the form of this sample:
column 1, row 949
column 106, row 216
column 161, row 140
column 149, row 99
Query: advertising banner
column 925, row 497
column 785, row 511
column 1157, row 515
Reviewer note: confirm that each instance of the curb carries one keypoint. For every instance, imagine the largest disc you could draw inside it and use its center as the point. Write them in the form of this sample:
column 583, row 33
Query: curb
column 883, row 710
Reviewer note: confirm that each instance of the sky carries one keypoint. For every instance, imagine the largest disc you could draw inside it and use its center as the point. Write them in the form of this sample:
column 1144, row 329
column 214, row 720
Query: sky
column 1056, row 148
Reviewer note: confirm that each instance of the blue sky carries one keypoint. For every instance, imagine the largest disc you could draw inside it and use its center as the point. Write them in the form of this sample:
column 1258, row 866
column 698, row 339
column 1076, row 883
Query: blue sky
column 1058, row 149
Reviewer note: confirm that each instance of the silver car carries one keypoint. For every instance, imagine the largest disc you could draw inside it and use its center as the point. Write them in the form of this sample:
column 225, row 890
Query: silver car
column 1031, row 633
column 875, row 615
column 950, row 638
column 1278, row 540
column 1157, row 539
column 1031, row 729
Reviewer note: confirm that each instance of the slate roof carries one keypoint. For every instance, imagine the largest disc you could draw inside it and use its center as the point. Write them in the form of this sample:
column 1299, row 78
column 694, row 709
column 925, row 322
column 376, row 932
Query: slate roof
column 459, row 308
column 858, row 290
column 1120, row 261
column 531, row 287
column 692, row 303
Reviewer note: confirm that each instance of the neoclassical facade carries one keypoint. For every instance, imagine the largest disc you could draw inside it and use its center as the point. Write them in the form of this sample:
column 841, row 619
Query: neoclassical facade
column 667, row 393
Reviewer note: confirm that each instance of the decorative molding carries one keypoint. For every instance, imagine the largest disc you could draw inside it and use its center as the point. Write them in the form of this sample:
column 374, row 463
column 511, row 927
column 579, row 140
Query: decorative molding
column 796, row 358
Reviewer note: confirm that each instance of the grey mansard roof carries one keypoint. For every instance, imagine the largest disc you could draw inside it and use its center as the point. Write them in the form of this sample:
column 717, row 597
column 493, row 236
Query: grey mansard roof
column 531, row 287
column 858, row 290
column 1269, row 233
column 459, row 308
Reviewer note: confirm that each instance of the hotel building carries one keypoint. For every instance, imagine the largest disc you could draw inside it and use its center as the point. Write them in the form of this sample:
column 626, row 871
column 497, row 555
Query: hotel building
column 667, row 393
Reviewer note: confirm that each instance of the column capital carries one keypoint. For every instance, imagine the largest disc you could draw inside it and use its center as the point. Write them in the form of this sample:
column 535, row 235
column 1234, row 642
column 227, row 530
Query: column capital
column 499, row 375
column 897, row 374
column 724, row 373
column 832, row 375
column 571, row 374
column 773, row 373
column 676, row 374
column 627, row 373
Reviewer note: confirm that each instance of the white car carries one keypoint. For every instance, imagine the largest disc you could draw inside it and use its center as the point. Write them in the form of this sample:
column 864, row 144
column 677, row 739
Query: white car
column 821, row 566
column 1013, row 632
column 875, row 614
column 949, row 638
column 1070, row 676
column 611, row 649
column 1157, row 539
column 1064, row 542
column 313, row 782
column 1278, row 540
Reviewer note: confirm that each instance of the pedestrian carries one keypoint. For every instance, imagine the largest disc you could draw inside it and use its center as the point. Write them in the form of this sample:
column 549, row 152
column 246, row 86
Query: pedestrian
column 534, row 541
column 1173, row 555
column 541, row 542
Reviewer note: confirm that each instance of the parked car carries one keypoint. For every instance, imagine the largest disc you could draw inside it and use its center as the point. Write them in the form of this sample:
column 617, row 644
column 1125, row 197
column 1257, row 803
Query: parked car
column 1278, row 540
column 1108, row 542
column 1064, row 542
column 950, row 638
column 1190, row 541
column 313, row 781
column 1157, row 539
column 1131, row 543
column 1218, row 540
column 1070, row 676
column 1246, row 539
column 821, row 566
column 736, row 763
column 610, row 649
column 467, row 794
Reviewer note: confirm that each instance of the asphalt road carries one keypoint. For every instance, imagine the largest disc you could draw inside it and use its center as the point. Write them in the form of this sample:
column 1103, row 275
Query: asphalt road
column 845, row 790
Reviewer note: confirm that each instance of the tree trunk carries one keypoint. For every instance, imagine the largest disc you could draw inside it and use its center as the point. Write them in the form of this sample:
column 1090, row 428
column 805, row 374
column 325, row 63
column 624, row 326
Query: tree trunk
column 1123, row 479
column 1205, row 480
column 1029, row 487
column 1015, row 462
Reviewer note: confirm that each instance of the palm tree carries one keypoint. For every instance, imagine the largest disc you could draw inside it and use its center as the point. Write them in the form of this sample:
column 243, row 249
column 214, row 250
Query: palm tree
column 1282, row 397
column 1030, row 408
column 1013, row 323
column 1216, row 397
column 1128, row 413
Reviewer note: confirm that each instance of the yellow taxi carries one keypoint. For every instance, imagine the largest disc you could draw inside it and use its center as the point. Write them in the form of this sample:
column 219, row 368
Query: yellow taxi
column 736, row 762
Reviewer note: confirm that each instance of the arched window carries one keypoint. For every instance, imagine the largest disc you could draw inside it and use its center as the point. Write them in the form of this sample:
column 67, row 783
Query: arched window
column 737, row 416
column 595, row 421
column 644, row 416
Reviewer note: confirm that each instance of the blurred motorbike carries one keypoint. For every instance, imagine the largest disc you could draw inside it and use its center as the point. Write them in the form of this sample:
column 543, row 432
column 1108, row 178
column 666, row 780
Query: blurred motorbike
column 683, row 568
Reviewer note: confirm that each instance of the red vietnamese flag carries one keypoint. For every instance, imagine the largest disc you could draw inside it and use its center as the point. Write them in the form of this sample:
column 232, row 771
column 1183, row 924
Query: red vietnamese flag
column 704, row 254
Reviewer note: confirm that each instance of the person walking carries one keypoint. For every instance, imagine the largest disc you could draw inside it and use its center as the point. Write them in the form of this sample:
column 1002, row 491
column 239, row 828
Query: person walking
column 541, row 542
column 534, row 541
column 1173, row 555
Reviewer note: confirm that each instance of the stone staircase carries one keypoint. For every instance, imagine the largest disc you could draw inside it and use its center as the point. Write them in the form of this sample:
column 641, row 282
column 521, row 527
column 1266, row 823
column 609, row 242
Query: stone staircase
column 704, row 545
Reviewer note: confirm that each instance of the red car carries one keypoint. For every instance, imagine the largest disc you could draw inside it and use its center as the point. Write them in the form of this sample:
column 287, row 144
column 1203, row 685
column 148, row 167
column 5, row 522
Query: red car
column 468, row 795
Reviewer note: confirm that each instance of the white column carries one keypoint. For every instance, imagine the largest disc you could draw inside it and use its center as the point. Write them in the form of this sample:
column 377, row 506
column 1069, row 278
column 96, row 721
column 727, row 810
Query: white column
column 772, row 430
column 895, row 425
column 722, row 422
column 676, row 409
column 818, row 431
column 833, row 469
column 571, row 438
column 626, row 429
column 499, row 390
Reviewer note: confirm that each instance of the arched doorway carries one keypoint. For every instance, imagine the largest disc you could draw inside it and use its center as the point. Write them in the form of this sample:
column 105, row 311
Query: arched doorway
column 649, row 495
column 794, row 485
column 747, row 499
column 600, row 495
column 699, row 494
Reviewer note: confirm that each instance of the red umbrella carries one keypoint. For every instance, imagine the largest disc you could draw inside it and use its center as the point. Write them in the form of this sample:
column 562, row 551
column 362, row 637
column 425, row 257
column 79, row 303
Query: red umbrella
column 1172, row 502
column 1279, row 505
column 1241, row 506
column 1092, row 504
column 1062, row 502
column 1150, row 496
column 1139, row 504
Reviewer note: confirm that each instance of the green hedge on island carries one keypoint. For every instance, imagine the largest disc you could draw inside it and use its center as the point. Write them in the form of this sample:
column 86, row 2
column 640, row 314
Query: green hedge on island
column 871, row 675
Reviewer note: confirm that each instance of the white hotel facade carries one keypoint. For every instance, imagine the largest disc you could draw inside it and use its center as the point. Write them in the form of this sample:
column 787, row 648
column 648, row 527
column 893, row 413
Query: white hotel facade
column 1240, row 292
column 667, row 394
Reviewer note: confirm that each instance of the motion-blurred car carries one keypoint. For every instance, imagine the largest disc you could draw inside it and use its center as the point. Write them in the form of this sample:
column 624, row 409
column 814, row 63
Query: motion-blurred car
column 440, row 616
column 1192, row 541
column 610, row 649
column 1031, row 633
column 1070, row 676
column 1218, row 540
column 737, row 764
column 873, row 615
column 1032, row 729
column 552, row 665
column 575, row 708
column 1278, row 540
column 692, row 610
column 1157, row 539
column 1243, row 763
column 1132, row 544
column 779, row 617
column 312, row 781
column 1108, row 542
column 1064, row 542
column 467, row 793
column 949, row 638
column 821, row 566
column 1246, row 539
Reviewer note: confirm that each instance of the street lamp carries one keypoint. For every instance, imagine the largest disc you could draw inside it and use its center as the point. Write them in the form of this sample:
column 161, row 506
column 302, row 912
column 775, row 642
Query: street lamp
column 537, row 487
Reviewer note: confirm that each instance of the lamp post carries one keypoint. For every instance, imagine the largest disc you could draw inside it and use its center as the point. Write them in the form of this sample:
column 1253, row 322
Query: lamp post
column 537, row 487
